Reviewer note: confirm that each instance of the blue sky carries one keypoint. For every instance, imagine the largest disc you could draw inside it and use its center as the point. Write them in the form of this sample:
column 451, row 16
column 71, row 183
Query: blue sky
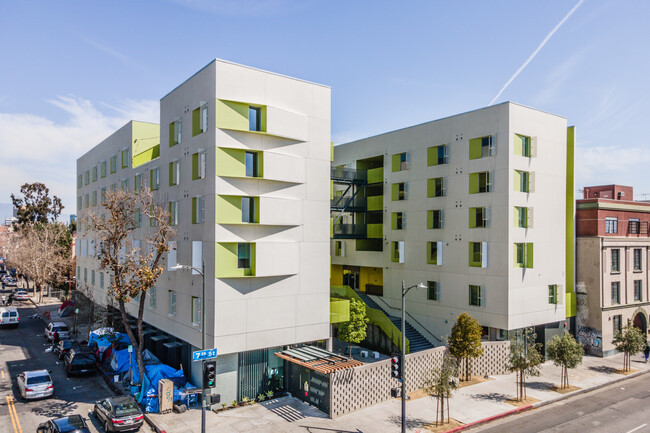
column 74, row 71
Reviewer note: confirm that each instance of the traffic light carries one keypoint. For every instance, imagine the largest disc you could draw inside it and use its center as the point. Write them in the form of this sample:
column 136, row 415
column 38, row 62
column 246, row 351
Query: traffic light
column 209, row 374
column 395, row 367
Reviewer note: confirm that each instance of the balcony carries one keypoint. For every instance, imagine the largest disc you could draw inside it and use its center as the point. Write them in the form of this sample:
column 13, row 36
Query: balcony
column 357, row 204
column 349, row 231
column 349, row 175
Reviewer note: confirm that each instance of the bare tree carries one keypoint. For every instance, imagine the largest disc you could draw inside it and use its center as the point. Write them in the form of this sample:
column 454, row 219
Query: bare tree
column 133, row 271
column 440, row 382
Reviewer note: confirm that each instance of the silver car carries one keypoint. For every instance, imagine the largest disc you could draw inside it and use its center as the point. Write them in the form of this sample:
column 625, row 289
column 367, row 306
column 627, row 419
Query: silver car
column 60, row 327
column 35, row 384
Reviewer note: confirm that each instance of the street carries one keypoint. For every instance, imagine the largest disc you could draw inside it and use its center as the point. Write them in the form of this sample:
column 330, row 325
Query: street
column 621, row 407
column 23, row 348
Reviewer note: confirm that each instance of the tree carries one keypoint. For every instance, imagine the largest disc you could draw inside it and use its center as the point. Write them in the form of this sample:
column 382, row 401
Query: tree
column 36, row 205
column 133, row 271
column 565, row 352
column 354, row 330
column 525, row 358
column 629, row 340
column 465, row 340
column 440, row 382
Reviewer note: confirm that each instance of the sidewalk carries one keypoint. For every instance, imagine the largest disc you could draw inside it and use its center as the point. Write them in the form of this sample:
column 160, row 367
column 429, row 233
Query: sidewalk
column 468, row 405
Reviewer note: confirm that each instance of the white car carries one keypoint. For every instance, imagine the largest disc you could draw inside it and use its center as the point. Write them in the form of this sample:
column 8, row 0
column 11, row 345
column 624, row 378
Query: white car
column 60, row 327
column 21, row 295
column 35, row 384
column 9, row 316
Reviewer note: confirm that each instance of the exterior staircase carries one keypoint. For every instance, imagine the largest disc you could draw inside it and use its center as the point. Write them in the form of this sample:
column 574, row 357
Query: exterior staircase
column 416, row 341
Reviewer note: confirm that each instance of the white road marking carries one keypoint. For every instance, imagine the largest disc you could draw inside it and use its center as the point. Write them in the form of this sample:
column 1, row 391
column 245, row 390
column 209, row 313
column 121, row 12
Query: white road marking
column 635, row 429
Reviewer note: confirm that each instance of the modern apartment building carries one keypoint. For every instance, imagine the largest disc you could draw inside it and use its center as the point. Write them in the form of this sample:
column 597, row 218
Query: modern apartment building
column 612, row 265
column 478, row 206
column 242, row 161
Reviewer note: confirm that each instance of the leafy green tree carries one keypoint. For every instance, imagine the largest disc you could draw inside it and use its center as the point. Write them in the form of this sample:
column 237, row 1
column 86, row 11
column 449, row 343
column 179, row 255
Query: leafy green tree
column 465, row 340
column 629, row 340
column 525, row 358
column 36, row 205
column 354, row 330
column 440, row 382
column 565, row 352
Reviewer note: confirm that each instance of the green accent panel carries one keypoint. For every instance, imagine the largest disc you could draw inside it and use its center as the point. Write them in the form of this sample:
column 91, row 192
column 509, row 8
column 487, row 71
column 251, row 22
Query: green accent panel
column 515, row 217
column 519, row 145
column 517, row 181
column 375, row 231
column 375, row 317
column 430, row 219
column 529, row 255
column 375, row 202
column 146, row 156
column 234, row 115
column 232, row 162
column 432, row 156
column 393, row 221
column 472, row 263
column 475, row 148
column 339, row 310
column 196, row 122
column 331, row 151
column 145, row 143
column 172, row 134
column 472, row 218
column 430, row 260
column 226, row 261
column 396, row 162
column 514, row 257
column 395, row 192
column 473, row 183
column 376, row 175
column 570, row 224
column 431, row 188
column 195, row 166
column 228, row 209
column 193, row 210
column 171, row 174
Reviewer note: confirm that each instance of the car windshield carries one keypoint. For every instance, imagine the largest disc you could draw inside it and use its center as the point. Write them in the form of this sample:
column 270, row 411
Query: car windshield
column 37, row 380
column 71, row 423
column 83, row 360
column 125, row 409
column 60, row 328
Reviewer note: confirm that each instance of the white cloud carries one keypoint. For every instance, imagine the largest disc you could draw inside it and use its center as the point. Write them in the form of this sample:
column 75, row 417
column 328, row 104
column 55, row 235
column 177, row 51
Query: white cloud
column 37, row 149
column 603, row 165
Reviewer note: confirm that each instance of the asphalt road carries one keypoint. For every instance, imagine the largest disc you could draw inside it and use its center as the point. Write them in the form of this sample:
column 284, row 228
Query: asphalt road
column 23, row 348
column 619, row 408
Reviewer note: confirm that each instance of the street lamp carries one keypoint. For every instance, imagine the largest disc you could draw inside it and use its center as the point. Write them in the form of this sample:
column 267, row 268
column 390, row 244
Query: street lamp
column 202, row 273
column 403, row 361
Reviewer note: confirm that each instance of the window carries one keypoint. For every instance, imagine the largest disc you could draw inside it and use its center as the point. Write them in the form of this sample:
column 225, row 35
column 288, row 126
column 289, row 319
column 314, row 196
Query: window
column 93, row 201
column 482, row 147
column 204, row 118
column 171, row 298
column 435, row 219
column 200, row 120
column 437, row 155
column 175, row 133
column 198, row 210
column 138, row 182
column 92, row 277
column 479, row 217
column 101, row 280
column 478, row 254
column 521, row 217
column 401, row 161
column 616, row 321
column 480, row 182
column 114, row 187
column 86, row 177
column 637, row 259
column 638, row 285
column 125, row 185
column 102, row 169
column 152, row 297
column 196, row 310
column 434, row 253
column 523, row 255
column 80, row 181
column 552, row 294
column 397, row 252
column 243, row 256
column 339, row 248
column 174, row 173
column 252, row 164
column 523, row 146
column 611, row 225
column 616, row 267
column 79, row 202
column 523, row 181
column 616, row 292
column 172, row 260
column 85, row 275
column 198, row 165
column 154, row 179
column 475, row 296
column 433, row 291
column 633, row 226
column 436, row 187
column 398, row 221
column 248, row 210
column 86, row 200
column 113, row 162
column 125, row 158
column 102, row 196
column 173, row 213
column 254, row 118
column 197, row 256
column 94, row 174
column 399, row 191
column 137, row 218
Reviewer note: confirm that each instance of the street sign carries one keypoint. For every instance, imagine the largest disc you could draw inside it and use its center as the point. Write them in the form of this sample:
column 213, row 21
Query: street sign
column 200, row 355
column 130, row 348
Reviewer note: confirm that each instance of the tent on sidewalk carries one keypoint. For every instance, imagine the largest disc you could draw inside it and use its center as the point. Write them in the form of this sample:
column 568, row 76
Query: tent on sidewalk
column 148, row 395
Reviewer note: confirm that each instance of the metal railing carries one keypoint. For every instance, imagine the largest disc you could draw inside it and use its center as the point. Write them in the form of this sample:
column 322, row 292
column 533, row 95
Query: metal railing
column 349, row 174
column 413, row 319
column 352, row 230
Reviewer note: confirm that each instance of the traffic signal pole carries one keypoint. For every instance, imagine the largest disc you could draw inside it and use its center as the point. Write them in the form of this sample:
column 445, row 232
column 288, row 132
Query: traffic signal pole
column 203, row 399
column 402, row 365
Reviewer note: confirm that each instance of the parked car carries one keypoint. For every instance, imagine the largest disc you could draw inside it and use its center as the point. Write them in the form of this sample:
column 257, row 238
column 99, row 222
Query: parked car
column 67, row 424
column 80, row 360
column 60, row 327
column 10, row 282
column 21, row 295
column 9, row 316
column 119, row 414
column 64, row 347
column 35, row 384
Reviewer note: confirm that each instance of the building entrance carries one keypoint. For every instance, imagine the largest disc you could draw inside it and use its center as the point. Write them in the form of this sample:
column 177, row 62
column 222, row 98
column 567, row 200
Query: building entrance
column 641, row 322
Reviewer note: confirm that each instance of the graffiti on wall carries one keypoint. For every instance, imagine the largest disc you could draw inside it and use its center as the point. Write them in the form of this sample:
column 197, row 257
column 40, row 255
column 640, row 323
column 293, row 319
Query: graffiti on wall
column 590, row 337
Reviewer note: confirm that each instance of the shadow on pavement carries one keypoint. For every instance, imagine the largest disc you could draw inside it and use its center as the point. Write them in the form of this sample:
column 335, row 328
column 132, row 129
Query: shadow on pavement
column 284, row 411
column 603, row 369
column 323, row 429
column 493, row 396
column 539, row 385
column 411, row 423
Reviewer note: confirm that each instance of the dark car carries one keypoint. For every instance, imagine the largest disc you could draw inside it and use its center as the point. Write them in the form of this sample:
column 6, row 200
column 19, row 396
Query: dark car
column 119, row 414
column 80, row 360
column 64, row 347
column 67, row 424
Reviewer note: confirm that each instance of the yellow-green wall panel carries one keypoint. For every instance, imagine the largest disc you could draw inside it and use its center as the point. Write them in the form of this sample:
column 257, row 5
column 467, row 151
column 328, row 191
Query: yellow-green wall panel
column 475, row 148
column 570, row 224
column 376, row 175
column 232, row 115
column 226, row 261
column 375, row 231
column 396, row 162
column 339, row 310
column 232, row 162
column 146, row 156
column 375, row 202
column 473, row 183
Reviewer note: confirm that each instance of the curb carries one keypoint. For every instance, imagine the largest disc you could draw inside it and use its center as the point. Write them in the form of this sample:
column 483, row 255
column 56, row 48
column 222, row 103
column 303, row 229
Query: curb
column 543, row 403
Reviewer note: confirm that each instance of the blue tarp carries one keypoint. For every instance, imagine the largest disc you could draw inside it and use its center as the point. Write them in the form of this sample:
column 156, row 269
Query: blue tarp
column 148, row 395
column 120, row 362
column 105, row 336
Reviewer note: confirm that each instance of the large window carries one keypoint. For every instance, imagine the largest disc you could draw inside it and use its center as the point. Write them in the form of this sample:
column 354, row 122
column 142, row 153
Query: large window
column 481, row 147
column 438, row 155
column 552, row 294
column 433, row 291
column 637, row 259
column 615, row 254
column 616, row 292
column 476, row 296
column 638, row 287
column 254, row 118
column 436, row 187
column 616, row 322
column 252, row 164
column 479, row 217
column 480, row 182
column 401, row 161
column 435, row 219
column 611, row 225
column 243, row 256
column 248, row 210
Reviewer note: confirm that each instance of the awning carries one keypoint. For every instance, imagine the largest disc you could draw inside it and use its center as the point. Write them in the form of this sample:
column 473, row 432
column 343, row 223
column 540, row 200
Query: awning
column 318, row 359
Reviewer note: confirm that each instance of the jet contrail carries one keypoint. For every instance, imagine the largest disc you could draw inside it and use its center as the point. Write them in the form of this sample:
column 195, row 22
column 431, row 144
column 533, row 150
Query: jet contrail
column 537, row 50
